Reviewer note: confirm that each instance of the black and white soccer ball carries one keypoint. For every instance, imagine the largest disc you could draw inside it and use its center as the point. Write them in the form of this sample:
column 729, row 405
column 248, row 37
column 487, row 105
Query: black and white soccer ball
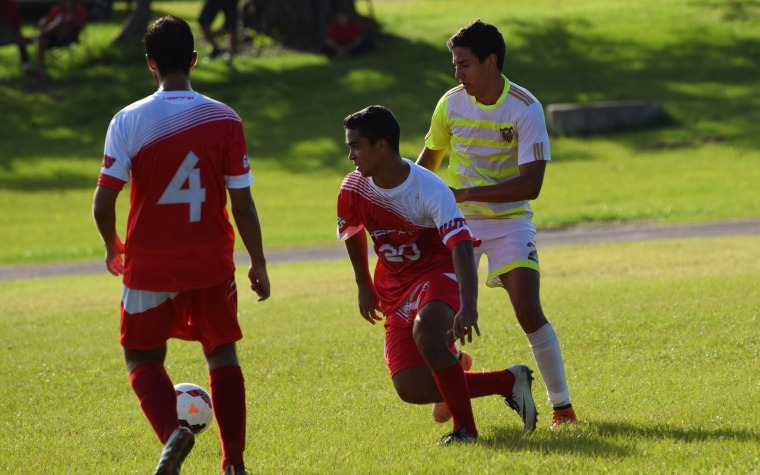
column 193, row 407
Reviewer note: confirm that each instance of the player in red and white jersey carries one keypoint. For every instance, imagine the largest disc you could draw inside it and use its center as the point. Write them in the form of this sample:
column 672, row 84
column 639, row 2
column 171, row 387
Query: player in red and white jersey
column 183, row 153
column 425, row 281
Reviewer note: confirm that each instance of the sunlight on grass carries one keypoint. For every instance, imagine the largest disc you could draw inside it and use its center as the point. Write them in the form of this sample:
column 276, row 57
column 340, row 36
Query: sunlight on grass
column 645, row 327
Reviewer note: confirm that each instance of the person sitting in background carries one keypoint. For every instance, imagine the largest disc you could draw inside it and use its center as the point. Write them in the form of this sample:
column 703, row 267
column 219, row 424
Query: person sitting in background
column 346, row 37
column 60, row 27
column 10, row 30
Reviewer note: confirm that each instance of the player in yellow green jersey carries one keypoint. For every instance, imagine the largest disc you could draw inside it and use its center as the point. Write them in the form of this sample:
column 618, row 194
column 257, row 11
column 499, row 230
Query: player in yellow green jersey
column 495, row 134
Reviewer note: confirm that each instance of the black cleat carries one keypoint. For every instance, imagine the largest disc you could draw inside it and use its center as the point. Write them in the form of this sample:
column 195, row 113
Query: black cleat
column 180, row 444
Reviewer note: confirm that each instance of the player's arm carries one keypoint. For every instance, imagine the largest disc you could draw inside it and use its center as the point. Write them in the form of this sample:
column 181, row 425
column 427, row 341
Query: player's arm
column 356, row 246
column 431, row 159
column 466, row 319
column 249, row 229
column 104, row 213
column 527, row 186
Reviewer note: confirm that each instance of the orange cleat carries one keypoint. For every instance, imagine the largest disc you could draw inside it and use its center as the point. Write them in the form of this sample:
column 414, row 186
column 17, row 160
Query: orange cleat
column 563, row 416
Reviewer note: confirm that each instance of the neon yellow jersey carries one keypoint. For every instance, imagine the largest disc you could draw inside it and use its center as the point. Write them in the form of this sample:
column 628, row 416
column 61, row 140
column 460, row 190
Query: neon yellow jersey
column 487, row 143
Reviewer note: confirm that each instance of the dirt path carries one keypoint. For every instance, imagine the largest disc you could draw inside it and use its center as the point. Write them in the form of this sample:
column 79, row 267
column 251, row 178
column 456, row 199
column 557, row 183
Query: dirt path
column 573, row 235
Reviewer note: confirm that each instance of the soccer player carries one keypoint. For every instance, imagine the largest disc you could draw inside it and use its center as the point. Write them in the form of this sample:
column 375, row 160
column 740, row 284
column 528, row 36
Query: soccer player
column 183, row 153
column 425, row 281
column 499, row 148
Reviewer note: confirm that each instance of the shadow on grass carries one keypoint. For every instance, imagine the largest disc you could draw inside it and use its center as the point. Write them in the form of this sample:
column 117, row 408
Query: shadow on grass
column 293, row 115
column 609, row 439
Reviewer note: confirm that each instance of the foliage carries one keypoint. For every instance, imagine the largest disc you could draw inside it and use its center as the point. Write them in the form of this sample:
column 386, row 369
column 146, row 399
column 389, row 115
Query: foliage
column 699, row 59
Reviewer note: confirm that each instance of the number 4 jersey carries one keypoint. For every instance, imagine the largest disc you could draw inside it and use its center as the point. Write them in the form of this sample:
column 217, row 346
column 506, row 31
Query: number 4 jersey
column 413, row 228
column 181, row 150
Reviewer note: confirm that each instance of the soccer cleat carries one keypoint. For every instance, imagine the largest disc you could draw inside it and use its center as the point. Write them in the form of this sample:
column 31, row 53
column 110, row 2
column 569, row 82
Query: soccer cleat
column 563, row 416
column 233, row 470
column 180, row 444
column 440, row 410
column 459, row 436
column 521, row 399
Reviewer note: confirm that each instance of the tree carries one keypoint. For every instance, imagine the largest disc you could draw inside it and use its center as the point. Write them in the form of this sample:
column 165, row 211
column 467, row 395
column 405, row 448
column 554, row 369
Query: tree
column 134, row 27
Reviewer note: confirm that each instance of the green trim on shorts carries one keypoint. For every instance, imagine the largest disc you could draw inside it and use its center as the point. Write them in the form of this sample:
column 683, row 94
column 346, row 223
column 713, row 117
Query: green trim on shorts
column 493, row 280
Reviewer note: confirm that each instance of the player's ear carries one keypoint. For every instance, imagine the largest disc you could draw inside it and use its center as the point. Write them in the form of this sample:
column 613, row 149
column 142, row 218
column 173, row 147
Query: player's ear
column 151, row 63
column 194, row 60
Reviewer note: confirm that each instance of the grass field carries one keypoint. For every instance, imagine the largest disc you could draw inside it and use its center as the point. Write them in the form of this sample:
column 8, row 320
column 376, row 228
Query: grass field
column 699, row 59
column 660, row 340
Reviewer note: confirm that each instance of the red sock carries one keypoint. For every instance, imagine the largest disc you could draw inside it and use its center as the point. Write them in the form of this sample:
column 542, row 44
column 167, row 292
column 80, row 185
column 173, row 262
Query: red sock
column 228, row 400
column 453, row 386
column 158, row 401
column 487, row 383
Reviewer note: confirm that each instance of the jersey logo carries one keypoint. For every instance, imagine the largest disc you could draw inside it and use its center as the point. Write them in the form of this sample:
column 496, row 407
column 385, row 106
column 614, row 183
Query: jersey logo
column 108, row 161
column 454, row 224
column 341, row 222
column 507, row 133
column 246, row 165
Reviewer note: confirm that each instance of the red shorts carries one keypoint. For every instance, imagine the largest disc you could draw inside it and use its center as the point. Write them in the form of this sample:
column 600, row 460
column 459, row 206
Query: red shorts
column 401, row 351
column 209, row 316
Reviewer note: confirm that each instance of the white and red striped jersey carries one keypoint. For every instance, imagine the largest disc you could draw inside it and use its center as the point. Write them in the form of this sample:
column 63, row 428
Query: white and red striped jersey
column 180, row 150
column 413, row 227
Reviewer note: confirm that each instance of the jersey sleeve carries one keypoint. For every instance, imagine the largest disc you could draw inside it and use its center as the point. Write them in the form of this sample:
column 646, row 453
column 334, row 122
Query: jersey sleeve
column 439, row 135
column 237, row 168
column 348, row 220
column 115, row 171
column 533, row 144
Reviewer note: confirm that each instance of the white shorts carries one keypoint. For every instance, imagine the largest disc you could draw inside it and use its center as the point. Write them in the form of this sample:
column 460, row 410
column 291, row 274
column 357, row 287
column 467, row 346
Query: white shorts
column 508, row 244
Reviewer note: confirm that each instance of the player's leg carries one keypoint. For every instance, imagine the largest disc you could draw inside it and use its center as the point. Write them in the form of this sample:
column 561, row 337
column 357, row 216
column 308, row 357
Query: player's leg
column 154, row 389
column 523, row 286
column 431, row 327
column 216, row 324
column 147, row 322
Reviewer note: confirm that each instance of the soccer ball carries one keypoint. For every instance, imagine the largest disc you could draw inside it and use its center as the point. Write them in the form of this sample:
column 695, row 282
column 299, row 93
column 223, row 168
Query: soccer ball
column 193, row 407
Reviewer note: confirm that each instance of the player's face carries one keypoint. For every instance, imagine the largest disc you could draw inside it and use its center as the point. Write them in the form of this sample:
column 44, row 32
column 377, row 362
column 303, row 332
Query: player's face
column 470, row 72
column 366, row 156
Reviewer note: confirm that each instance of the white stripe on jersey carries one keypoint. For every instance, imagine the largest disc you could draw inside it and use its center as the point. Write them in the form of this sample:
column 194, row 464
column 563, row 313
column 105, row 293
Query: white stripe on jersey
column 201, row 114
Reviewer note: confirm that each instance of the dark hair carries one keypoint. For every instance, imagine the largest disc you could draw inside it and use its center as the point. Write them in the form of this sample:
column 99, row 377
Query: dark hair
column 169, row 42
column 482, row 39
column 375, row 123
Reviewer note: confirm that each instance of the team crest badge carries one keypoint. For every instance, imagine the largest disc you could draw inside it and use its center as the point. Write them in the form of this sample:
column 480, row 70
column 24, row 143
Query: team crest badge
column 108, row 161
column 246, row 165
column 508, row 133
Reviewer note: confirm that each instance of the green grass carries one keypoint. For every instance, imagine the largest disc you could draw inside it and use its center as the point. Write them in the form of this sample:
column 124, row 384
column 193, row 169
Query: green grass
column 660, row 340
column 699, row 59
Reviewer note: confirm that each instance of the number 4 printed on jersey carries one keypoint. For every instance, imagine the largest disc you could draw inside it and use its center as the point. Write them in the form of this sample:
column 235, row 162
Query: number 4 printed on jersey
column 193, row 195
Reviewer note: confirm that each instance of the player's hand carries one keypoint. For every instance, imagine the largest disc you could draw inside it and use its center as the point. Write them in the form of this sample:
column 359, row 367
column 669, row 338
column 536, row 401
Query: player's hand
column 259, row 281
column 465, row 322
column 369, row 304
column 114, row 259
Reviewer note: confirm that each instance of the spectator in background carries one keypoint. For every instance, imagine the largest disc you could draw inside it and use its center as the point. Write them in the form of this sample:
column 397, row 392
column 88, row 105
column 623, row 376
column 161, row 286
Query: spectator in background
column 60, row 27
column 346, row 37
column 10, row 30
column 208, row 13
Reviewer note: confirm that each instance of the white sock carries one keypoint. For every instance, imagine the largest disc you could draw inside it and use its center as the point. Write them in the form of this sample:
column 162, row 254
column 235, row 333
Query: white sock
column 545, row 346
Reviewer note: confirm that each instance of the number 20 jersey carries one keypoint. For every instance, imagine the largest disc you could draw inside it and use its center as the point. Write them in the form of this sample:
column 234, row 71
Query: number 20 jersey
column 413, row 228
column 181, row 151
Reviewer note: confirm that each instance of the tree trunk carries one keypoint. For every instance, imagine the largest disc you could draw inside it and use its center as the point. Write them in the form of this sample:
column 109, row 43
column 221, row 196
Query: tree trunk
column 134, row 27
